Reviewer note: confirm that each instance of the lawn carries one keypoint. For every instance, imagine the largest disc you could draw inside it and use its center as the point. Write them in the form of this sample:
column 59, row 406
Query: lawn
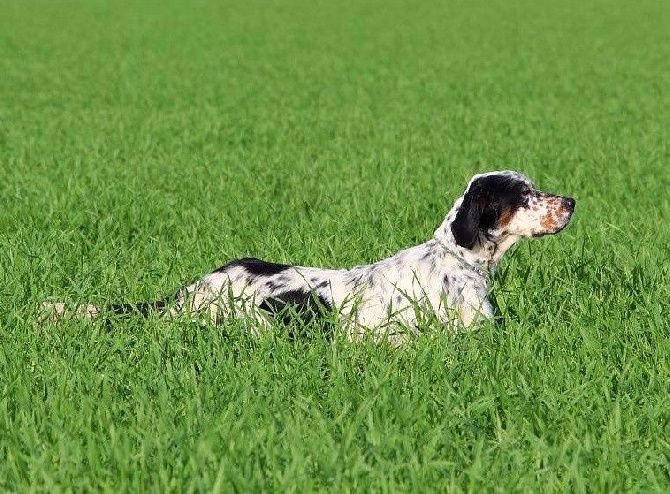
column 145, row 143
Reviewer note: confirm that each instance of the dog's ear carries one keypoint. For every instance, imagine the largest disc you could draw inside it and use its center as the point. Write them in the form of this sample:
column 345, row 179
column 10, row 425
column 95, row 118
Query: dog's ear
column 465, row 226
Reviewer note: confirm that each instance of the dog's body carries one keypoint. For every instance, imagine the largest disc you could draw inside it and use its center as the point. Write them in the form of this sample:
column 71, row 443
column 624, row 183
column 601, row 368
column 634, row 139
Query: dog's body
column 449, row 275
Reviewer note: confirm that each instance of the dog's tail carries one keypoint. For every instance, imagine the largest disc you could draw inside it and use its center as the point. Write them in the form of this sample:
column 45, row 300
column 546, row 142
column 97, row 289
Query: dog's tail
column 52, row 312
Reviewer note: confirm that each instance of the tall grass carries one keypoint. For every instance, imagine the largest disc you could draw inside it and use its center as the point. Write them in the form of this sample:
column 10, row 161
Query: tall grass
column 142, row 144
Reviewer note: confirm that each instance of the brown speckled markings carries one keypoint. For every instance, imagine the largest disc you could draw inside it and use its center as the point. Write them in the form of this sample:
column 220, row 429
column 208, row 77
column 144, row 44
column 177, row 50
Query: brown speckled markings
column 449, row 274
column 506, row 216
column 549, row 221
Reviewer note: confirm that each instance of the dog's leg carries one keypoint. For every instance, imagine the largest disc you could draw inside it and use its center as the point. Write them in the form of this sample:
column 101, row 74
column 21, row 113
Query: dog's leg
column 52, row 312
column 473, row 314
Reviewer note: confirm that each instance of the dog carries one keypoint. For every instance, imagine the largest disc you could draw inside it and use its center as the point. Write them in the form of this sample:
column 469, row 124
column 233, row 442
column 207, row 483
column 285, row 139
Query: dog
column 448, row 276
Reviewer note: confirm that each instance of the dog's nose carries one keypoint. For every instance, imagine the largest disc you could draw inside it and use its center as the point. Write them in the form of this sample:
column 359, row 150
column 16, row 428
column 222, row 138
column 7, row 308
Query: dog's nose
column 569, row 202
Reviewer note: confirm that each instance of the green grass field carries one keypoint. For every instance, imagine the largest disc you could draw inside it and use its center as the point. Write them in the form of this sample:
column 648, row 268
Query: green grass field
column 143, row 144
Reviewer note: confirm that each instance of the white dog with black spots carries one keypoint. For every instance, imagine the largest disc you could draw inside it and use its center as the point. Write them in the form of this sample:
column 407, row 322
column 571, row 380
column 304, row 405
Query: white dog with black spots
column 449, row 276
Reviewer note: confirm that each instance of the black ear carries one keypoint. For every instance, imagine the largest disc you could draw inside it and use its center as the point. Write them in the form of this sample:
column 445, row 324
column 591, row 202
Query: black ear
column 465, row 226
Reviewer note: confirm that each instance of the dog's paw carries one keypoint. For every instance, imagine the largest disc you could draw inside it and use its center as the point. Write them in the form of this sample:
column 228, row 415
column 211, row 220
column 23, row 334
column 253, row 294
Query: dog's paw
column 87, row 311
column 50, row 312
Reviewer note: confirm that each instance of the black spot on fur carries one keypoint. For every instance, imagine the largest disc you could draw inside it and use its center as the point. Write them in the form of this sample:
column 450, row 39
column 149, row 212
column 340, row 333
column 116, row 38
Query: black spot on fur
column 273, row 285
column 483, row 204
column 369, row 278
column 364, row 276
column 307, row 306
column 255, row 266
column 298, row 310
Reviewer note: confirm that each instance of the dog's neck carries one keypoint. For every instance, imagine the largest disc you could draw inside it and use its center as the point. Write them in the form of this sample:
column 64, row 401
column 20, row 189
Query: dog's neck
column 485, row 255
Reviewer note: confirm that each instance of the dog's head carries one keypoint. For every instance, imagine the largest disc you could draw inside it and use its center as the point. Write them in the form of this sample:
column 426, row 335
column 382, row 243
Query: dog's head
column 501, row 204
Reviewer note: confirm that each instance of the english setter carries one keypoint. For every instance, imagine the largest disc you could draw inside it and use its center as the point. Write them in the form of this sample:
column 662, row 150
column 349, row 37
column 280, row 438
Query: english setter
column 449, row 275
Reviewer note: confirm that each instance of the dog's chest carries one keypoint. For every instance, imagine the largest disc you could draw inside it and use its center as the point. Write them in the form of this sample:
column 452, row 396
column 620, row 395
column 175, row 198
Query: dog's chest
column 405, row 287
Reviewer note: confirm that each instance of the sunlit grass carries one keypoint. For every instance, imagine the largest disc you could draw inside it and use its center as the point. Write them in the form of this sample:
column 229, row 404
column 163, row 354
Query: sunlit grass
column 142, row 145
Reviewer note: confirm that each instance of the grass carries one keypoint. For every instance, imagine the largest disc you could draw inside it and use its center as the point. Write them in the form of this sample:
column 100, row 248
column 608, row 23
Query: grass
column 142, row 144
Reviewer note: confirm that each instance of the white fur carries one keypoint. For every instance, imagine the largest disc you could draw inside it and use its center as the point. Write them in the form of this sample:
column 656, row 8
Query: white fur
column 387, row 297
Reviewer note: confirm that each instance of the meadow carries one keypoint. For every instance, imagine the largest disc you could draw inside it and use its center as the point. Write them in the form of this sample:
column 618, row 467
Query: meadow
column 145, row 143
